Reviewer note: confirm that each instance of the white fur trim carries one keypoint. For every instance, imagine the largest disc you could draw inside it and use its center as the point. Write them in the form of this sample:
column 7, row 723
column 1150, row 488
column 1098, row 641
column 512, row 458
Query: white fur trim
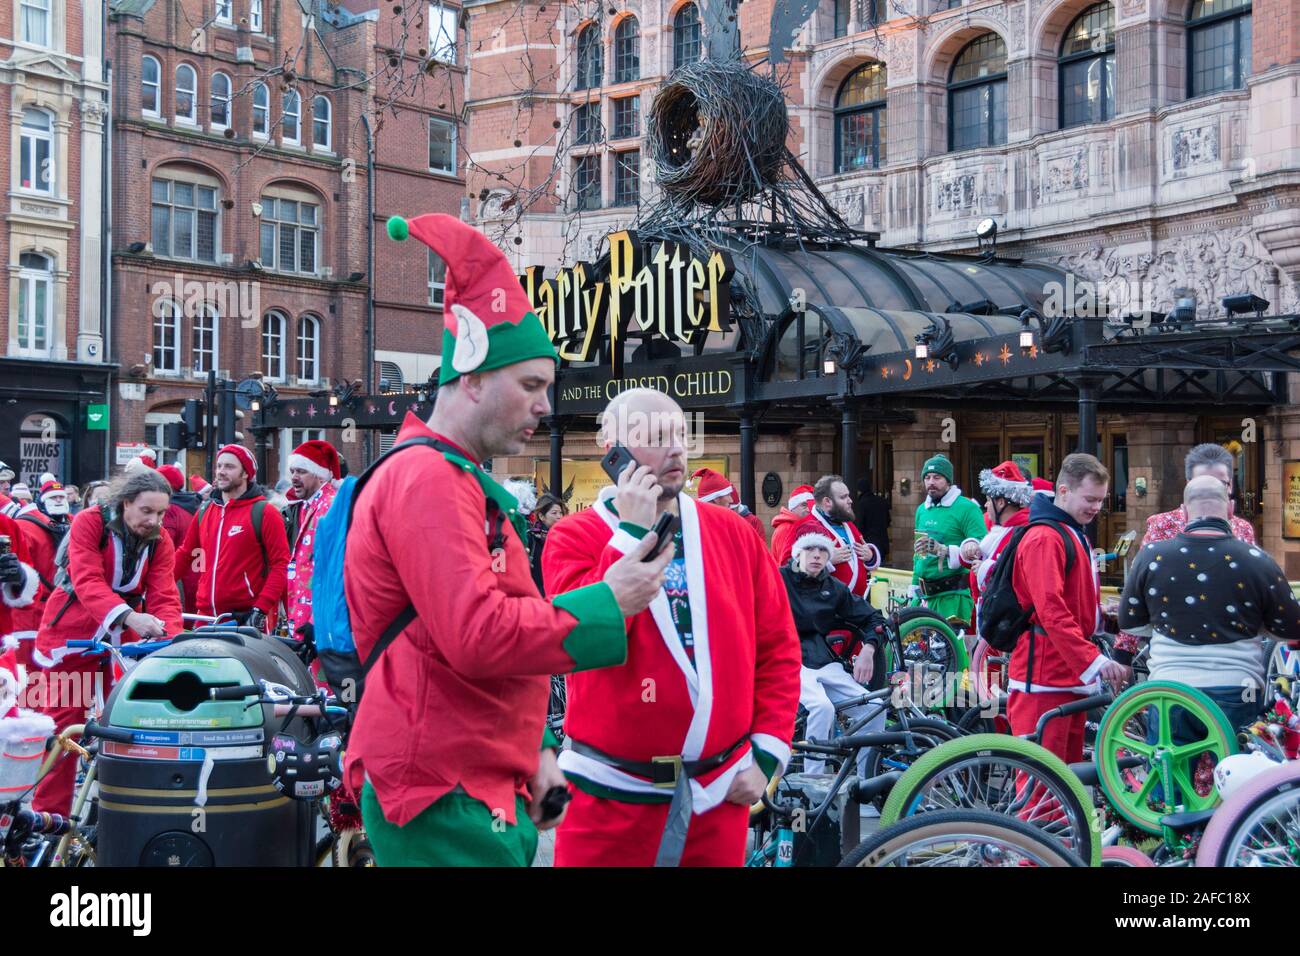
column 623, row 541
column 996, row 486
column 45, row 479
column 949, row 496
column 876, row 558
column 9, row 642
column 309, row 466
column 773, row 746
column 17, row 636
column 812, row 539
column 853, row 559
column 796, row 500
column 21, row 597
column 729, row 490
column 26, row 726
column 1090, row 675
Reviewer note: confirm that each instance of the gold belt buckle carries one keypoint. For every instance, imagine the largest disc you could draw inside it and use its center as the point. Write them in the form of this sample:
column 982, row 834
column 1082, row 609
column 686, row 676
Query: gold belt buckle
column 675, row 762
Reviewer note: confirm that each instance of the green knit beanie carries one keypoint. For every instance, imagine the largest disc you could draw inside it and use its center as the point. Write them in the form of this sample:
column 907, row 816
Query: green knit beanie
column 939, row 465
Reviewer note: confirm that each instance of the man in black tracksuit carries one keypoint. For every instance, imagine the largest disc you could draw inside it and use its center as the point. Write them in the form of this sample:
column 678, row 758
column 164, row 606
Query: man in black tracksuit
column 822, row 604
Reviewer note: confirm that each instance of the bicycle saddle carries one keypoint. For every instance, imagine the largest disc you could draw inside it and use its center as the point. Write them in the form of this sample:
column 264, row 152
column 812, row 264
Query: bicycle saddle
column 1185, row 822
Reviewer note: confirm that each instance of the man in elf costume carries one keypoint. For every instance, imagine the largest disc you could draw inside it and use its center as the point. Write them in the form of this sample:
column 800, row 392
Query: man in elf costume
column 945, row 522
column 313, row 469
column 668, row 751
column 791, row 516
column 448, row 751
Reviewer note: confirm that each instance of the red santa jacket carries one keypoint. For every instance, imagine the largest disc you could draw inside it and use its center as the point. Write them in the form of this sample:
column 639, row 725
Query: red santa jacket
column 459, row 698
column 1067, row 608
column 103, row 590
column 232, row 576
column 783, row 526
column 744, row 685
column 41, row 547
column 21, row 596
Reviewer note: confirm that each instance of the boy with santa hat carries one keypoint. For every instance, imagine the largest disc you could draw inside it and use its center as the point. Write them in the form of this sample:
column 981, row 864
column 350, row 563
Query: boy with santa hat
column 313, row 470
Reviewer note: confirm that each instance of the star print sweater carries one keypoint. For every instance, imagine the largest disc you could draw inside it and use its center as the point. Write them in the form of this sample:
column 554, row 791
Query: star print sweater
column 1206, row 598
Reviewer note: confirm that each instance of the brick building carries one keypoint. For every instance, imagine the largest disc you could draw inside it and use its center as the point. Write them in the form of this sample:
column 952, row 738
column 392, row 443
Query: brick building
column 1152, row 140
column 53, row 376
column 245, row 139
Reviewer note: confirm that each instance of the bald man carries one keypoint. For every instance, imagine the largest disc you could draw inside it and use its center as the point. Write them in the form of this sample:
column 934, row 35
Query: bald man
column 1206, row 599
column 669, row 750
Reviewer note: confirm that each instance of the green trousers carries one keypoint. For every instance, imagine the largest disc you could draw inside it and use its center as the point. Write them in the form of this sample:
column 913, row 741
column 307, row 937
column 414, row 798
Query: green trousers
column 456, row 830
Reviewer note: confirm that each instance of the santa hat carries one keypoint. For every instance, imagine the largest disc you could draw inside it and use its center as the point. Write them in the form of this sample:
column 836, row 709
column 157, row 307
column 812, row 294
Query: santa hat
column 316, row 457
column 20, row 492
column 712, row 485
column 488, row 321
column 245, row 457
column 1006, row 481
column 799, row 496
column 6, row 473
column 173, row 476
column 523, row 491
column 50, row 486
column 198, row 483
column 1044, row 487
column 811, row 533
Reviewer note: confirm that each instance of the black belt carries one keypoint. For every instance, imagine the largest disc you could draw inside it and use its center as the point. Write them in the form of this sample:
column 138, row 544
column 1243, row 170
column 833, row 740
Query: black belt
column 953, row 582
column 662, row 771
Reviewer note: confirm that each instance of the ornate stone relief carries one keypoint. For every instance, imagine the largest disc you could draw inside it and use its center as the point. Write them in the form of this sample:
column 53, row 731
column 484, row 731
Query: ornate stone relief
column 1191, row 147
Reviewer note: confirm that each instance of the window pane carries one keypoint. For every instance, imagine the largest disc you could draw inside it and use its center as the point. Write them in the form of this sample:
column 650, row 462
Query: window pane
column 864, row 85
column 24, row 329
column 39, row 306
column 590, row 58
column 442, row 33
column 160, row 232
column 984, row 56
column 588, row 125
column 1214, row 58
column 686, row 36
column 307, row 214
column 858, row 146
column 627, row 116
column 1093, row 31
column 288, row 239
column 627, row 51
column 627, row 178
column 587, row 182
column 1208, row 8
column 267, row 253
column 183, row 193
column 206, row 238
column 306, row 250
column 442, row 150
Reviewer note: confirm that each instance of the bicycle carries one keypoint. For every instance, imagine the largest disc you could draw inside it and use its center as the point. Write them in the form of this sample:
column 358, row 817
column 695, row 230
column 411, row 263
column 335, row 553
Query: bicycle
column 965, row 838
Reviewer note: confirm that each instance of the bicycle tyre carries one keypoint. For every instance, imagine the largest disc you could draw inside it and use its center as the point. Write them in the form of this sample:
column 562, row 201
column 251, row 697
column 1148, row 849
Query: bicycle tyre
column 922, row 619
column 1224, row 828
column 1125, row 856
column 958, row 825
column 1043, row 762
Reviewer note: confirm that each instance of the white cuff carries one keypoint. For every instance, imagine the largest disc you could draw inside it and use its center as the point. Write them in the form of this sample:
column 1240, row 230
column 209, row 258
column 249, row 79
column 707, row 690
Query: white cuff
column 623, row 541
column 1090, row 674
column 954, row 557
column 875, row 557
column 773, row 747
column 25, row 595
column 106, row 626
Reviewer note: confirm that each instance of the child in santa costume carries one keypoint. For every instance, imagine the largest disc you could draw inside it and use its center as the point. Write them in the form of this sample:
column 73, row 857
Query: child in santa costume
column 119, row 561
column 319, row 461
column 708, row 693
column 448, row 751
column 791, row 516
column 717, row 490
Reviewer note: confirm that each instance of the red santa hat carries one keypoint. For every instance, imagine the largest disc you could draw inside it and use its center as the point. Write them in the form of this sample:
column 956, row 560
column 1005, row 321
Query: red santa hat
column 1044, row 487
column 799, row 496
column 50, row 485
column 173, row 476
column 712, row 485
column 198, row 483
column 316, row 457
column 246, row 460
column 811, row 533
column 1006, row 481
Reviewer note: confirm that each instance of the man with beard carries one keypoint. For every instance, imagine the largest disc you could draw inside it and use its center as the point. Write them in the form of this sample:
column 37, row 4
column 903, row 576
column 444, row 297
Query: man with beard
column 43, row 527
column 853, row 558
column 945, row 522
column 668, row 751
column 238, row 542
column 118, row 560
column 313, row 469
column 450, row 750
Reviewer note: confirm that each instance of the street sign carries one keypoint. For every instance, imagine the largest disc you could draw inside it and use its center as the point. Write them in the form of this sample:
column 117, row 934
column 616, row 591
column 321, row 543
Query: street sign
column 128, row 450
column 97, row 418
column 39, row 456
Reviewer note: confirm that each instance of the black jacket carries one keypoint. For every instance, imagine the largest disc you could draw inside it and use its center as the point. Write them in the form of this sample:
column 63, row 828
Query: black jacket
column 821, row 605
column 188, row 500
column 536, row 542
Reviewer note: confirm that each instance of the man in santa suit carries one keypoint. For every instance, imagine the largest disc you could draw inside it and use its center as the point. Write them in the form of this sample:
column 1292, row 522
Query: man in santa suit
column 1006, row 507
column 450, row 750
column 792, row 515
column 854, row 558
column 668, row 751
column 113, row 570
column 19, row 586
column 313, row 470
column 717, row 490
column 43, row 527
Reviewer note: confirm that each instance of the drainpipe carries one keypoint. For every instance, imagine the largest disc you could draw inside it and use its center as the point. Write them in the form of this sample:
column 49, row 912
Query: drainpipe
column 370, row 270
column 106, row 233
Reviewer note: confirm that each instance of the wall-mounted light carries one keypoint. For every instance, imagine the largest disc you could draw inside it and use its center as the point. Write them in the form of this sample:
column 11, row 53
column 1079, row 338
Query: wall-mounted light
column 922, row 350
column 905, row 486
column 1140, row 487
column 828, row 366
column 334, row 401
column 256, row 405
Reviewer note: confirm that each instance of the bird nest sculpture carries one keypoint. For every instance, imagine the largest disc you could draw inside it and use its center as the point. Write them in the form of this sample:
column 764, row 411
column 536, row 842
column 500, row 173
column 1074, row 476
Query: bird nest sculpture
column 717, row 133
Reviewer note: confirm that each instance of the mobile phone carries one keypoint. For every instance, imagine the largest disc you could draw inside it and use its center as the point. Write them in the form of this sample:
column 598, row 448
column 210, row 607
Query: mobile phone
column 615, row 460
column 554, row 802
column 665, row 528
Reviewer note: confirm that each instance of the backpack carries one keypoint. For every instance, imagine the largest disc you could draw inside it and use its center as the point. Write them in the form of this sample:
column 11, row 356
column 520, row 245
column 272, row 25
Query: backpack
column 331, row 622
column 259, row 509
column 57, row 534
column 1002, row 619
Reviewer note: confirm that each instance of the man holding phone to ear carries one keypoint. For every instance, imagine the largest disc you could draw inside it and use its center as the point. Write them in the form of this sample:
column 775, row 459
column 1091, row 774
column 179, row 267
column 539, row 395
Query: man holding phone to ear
column 669, row 749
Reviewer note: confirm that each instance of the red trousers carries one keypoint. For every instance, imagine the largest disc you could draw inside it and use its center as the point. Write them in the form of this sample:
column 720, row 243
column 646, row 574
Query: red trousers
column 65, row 692
column 1063, row 736
column 598, row 832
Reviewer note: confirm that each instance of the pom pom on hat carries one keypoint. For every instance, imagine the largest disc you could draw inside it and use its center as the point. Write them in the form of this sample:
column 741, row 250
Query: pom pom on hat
column 398, row 230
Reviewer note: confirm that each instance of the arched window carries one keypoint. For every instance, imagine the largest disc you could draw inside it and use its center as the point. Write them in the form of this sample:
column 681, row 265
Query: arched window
column 36, row 161
column 289, row 132
column 166, row 337
column 273, row 324
column 320, row 123
column 686, row 36
column 205, row 351
column 261, row 109
column 35, row 304
column 185, row 215
column 1218, row 46
column 977, row 94
column 220, row 100
column 860, row 131
column 290, row 230
column 187, row 85
column 1087, row 67
column 308, row 348
column 591, row 58
column 150, row 87
column 627, row 51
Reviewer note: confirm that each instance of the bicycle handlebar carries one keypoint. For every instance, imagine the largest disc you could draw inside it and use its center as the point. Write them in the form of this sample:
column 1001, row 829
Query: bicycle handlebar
column 1065, row 710
column 137, row 649
column 235, row 693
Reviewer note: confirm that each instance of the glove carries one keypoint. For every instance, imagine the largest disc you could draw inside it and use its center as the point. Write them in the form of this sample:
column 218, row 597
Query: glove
column 256, row 618
column 11, row 570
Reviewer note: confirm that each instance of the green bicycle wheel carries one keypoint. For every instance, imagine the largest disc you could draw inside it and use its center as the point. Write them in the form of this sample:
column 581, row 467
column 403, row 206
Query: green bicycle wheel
column 1014, row 777
column 1141, row 795
column 927, row 639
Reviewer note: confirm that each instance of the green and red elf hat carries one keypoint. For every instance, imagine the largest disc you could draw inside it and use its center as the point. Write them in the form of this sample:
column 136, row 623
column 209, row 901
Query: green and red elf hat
column 488, row 322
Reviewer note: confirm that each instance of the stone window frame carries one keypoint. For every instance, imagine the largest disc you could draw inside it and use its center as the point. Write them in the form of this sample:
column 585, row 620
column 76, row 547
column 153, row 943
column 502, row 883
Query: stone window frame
column 1236, row 15
column 28, row 275
column 50, row 136
column 1106, row 56
column 313, row 321
column 303, row 195
column 877, row 107
column 155, row 113
column 56, row 26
